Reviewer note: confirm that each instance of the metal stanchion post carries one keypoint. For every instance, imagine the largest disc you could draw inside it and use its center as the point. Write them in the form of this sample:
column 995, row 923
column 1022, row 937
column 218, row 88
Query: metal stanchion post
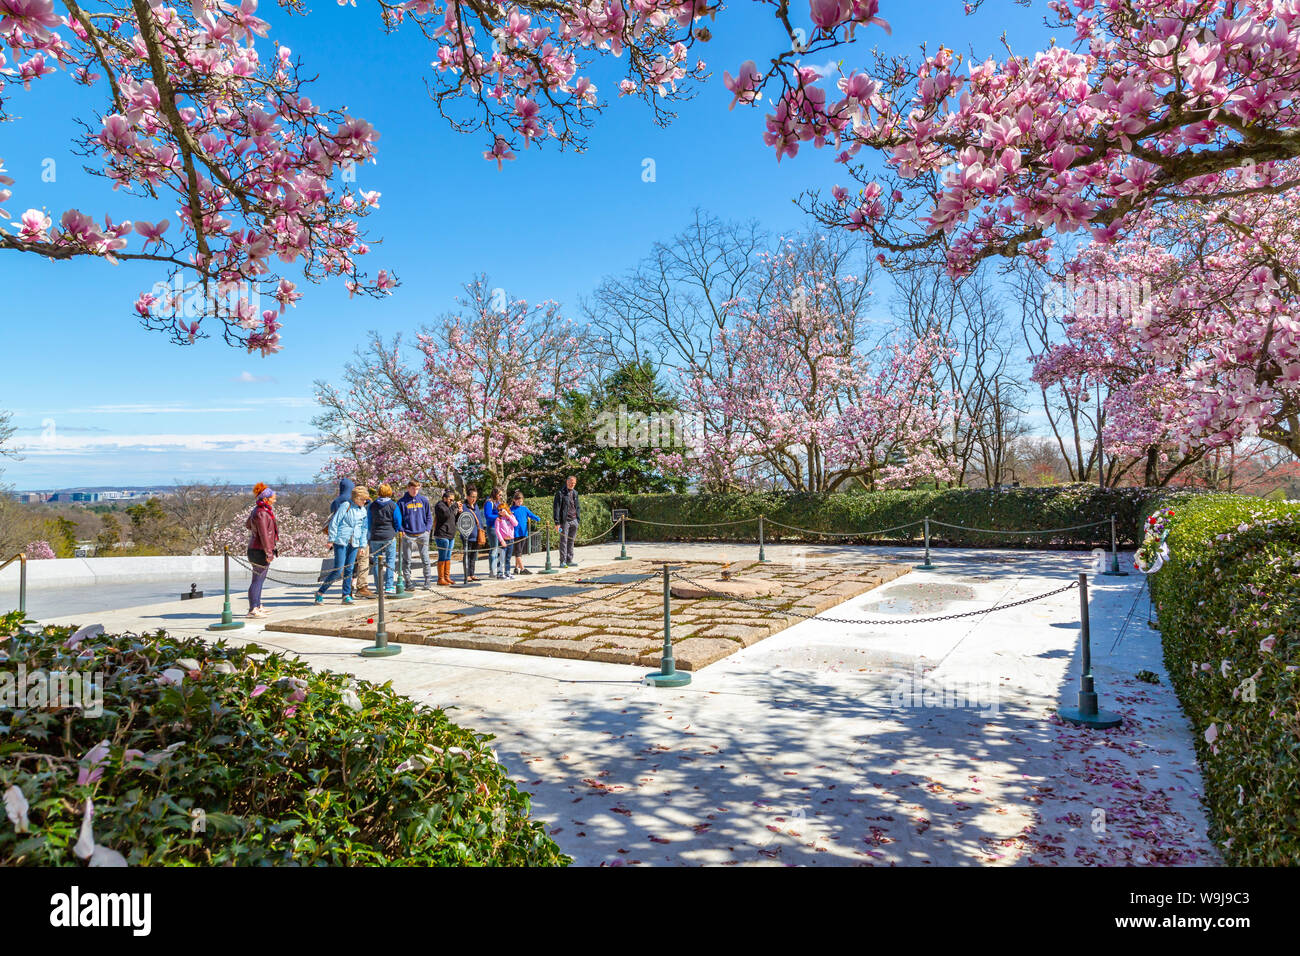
column 381, row 647
column 228, row 622
column 762, row 556
column 622, row 539
column 927, row 565
column 464, row 564
column 22, row 585
column 1087, row 714
column 1114, row 571
column 548, row 569
column 668, row 675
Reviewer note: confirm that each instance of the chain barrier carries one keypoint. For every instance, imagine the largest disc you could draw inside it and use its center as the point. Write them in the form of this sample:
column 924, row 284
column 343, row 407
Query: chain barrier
column 767, row 608
column 577, row 540
column 252, row 568
column 846, row 534
column 712, row 524
column 868, row 534
column 902, row 620
column 963, row 527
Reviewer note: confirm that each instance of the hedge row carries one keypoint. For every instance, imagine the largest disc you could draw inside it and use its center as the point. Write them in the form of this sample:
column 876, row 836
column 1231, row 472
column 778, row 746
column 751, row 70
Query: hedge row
column 1228, row 600
column 595, row 519
column 853, row 517
column 210, row 754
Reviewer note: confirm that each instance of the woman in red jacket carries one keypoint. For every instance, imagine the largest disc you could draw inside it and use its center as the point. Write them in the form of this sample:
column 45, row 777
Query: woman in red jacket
column 261, row 546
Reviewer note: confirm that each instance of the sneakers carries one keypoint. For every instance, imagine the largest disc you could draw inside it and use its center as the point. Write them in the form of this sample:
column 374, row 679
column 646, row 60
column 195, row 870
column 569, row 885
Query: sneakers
column 255, row 612
column 522, row 571
column 390, row 591
column 320, row 598
column 347, row 599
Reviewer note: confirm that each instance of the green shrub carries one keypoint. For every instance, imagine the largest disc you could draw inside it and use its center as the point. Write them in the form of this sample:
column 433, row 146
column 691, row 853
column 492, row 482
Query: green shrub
column 1228, row 601
column 718, row 517
column 593, row 521
column 288, row 765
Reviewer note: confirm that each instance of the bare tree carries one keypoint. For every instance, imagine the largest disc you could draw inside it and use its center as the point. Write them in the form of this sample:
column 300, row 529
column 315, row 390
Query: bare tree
column 668, row 308
column 200, row 511
column 984, row 371
column 1071, row 414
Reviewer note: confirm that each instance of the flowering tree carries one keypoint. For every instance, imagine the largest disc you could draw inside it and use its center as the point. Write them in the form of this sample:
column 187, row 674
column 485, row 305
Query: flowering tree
column 796, row 390
column 1203, row 349
column 197, row 112
column 300, row 535
column 1153, row 100
column 39, row 551
column 474, row 401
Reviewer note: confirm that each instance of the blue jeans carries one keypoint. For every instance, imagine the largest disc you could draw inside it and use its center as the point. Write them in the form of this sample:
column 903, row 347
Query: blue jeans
column 503, row 556
column 444, row 548
column 388, row 549
column 345, row 556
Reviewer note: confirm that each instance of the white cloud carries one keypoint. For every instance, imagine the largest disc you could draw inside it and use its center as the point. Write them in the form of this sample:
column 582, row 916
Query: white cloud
column 62, row 443
column 165, row 408
column 251, row 379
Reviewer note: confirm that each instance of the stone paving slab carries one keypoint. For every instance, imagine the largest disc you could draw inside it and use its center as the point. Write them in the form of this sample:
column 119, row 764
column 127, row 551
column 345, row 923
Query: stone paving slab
column 617, row 623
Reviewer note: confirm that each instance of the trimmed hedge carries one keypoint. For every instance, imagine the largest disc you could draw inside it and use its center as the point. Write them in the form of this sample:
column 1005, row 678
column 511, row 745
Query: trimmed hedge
column 289, row 766
column 1014, row 509
column 595, row 519
column 1228, row 601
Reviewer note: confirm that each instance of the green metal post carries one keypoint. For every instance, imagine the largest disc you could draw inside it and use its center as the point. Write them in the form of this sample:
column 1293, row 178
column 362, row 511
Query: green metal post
column 228, row 622
column 927, row 565
column 762, row 555
column 381, row 646
column 622, row 539
column 668, row 675
column 548, row 569
column 1087, row 714
column 1114, row 571
column 22, row 585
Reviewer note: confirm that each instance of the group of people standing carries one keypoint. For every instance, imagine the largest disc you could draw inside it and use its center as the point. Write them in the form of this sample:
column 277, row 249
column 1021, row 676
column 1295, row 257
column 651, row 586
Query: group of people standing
column 361, row 529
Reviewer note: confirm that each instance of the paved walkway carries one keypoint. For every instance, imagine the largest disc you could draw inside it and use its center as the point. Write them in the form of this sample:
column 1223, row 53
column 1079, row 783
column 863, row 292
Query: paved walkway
column 878, row 744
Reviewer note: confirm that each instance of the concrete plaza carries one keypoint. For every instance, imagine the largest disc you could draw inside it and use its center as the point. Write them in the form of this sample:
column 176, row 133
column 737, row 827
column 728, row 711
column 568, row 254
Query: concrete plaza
column 828, row 743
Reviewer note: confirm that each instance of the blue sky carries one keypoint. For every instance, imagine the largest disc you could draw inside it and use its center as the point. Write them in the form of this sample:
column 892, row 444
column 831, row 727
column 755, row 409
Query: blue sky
column 99, row 400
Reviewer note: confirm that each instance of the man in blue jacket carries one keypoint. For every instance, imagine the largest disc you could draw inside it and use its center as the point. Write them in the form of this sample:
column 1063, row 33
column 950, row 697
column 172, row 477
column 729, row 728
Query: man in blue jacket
column 417, row 522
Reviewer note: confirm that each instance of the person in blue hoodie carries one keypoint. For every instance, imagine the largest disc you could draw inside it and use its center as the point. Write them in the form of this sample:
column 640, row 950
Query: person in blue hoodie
column 344, row 496
column 417, row 522
column 490, row 507
column 348, row 529
column 520, row 546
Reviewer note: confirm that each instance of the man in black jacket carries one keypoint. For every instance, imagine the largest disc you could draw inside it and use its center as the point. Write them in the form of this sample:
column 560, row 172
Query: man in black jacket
column 566, row 513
